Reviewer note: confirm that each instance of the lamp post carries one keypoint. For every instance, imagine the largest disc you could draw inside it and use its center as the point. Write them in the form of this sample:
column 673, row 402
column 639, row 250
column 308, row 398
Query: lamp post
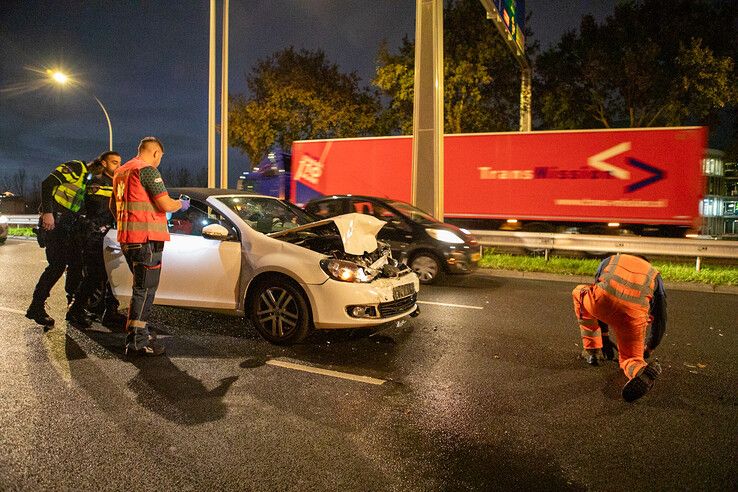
column 61, row 78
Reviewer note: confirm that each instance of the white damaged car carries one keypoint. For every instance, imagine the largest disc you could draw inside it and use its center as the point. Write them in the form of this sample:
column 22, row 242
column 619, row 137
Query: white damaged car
column 265, row 258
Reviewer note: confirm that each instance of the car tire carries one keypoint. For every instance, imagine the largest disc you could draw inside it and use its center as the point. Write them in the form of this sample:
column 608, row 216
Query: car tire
column 279, row 311
column 427, row 267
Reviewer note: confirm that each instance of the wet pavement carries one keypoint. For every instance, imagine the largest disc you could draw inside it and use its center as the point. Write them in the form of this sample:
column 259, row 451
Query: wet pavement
column 483, row 391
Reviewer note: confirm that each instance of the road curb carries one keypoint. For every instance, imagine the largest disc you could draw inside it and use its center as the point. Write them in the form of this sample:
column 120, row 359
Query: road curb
column 581, row 279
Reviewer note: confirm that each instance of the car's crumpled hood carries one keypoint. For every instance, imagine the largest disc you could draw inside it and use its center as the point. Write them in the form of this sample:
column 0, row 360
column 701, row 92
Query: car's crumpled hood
column 358, row 231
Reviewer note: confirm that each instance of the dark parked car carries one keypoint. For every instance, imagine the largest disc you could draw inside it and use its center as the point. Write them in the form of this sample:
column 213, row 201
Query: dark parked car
column 430, row 247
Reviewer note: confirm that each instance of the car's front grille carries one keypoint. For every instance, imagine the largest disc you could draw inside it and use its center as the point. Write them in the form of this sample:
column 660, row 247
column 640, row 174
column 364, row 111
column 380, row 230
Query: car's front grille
column 392, row 308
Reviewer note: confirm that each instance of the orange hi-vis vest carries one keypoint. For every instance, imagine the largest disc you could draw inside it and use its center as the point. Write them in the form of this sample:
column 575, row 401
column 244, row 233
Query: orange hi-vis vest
column 629, row 280
column 139, row 220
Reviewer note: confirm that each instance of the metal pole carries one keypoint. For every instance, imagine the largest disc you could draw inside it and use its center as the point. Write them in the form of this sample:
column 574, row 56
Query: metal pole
column 211, row 100
column 224, row 102
column 110, row 127
column 427, row 168
column 525, row 98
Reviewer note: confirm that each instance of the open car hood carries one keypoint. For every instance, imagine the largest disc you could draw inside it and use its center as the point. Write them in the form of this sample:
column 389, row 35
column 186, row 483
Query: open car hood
column 358, row 231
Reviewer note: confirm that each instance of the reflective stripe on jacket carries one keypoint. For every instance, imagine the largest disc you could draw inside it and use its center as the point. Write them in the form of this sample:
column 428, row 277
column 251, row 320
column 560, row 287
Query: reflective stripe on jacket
column 139, row 220
column 629, row 279
column 71, row 193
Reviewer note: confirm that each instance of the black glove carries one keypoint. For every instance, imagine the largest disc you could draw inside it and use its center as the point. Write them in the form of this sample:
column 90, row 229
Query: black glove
column 608, row 348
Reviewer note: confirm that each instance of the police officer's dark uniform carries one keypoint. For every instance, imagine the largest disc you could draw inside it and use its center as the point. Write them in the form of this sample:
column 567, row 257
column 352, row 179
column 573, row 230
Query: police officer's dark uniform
column 63, row 194
column 95, row 281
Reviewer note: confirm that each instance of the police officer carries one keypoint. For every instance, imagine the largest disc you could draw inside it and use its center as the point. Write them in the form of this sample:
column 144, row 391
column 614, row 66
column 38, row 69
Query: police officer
column 99, row 221
column 62, row 199
column 141, row 201
column 628, row 296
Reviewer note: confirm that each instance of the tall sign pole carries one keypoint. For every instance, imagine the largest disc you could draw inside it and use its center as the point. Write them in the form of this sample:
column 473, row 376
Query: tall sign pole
column 211, row 100
column 509, row 16
column 224, row 102
column 427, row 171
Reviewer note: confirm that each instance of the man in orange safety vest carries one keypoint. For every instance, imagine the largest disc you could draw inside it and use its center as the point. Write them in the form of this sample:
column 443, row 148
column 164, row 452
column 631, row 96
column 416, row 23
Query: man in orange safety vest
column 628, row 296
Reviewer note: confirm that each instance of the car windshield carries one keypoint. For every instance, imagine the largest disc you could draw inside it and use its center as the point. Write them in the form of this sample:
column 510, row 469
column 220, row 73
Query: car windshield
column 267, row 215
column 413, row 213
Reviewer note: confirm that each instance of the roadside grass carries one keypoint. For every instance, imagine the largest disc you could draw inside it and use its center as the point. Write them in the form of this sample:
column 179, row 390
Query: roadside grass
column 20, row 231
column 670, row 272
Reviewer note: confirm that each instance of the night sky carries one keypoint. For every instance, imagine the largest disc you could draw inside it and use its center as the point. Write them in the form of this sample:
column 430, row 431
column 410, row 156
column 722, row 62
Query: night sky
column 147, row 61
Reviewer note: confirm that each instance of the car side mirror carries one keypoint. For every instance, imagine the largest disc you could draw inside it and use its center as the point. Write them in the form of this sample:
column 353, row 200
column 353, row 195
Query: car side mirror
column 215, row 231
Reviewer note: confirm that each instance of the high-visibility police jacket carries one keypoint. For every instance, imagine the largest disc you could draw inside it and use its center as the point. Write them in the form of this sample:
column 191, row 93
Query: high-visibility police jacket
column 65, row 187
column 635, row 285
column 98, row 193
column 139, row 219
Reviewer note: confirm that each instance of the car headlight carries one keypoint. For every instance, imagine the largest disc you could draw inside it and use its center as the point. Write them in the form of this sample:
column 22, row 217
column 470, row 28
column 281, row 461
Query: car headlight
column 345, row 271
column 444, row 236
column 3, row 220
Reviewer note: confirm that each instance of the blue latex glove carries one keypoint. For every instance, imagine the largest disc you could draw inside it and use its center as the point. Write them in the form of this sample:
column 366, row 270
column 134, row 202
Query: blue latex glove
column 185, row 200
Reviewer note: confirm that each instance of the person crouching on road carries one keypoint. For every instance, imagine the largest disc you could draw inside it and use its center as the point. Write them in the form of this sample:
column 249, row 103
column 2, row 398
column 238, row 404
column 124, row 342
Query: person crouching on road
column 62, row 200
column 141, row 202
column 99, row 221
column 628, row 296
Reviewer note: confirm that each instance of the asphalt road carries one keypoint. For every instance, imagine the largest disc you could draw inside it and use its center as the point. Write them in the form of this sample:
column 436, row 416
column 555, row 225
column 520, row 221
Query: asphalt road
column 485, row 395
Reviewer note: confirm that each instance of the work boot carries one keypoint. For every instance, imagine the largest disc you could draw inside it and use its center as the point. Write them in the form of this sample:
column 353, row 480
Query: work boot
column 592, row 356
column 39, row 315
column 114, row 320
column 642, row 382
column 79, row 318
column 141, row 343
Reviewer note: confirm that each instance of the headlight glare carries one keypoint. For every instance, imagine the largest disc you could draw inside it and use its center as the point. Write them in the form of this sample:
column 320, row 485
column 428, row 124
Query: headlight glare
column 344, row 271
column 444, row 236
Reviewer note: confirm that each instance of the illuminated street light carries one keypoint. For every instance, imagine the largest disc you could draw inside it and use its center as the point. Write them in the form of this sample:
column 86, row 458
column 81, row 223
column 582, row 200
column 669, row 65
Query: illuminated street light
column 61, row 78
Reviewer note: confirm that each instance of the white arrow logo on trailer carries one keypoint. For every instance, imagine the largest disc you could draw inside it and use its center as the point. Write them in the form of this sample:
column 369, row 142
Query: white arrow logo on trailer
column 599, row 161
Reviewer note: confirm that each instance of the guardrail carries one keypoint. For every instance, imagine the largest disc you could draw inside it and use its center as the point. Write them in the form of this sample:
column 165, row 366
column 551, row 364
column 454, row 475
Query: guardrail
column 695, row 248
column 22, row 219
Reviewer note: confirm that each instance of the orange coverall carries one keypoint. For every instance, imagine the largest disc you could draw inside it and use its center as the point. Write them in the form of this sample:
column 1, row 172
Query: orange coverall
column 629, row 297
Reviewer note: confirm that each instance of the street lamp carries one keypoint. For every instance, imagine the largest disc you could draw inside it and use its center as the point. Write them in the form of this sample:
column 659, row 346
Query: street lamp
column 62, row 79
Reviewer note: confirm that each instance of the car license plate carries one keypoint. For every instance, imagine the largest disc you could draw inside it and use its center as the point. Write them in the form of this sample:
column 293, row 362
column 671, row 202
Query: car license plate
column 476, row 257
column 403, row 291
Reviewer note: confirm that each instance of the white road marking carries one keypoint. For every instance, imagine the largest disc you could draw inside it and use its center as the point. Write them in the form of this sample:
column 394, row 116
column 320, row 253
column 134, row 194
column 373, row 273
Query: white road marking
column 325, row 372
column 12, row 310
column 450, row 305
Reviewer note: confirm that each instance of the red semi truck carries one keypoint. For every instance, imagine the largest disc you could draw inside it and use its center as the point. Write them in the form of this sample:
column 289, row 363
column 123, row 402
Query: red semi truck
column 644, row 181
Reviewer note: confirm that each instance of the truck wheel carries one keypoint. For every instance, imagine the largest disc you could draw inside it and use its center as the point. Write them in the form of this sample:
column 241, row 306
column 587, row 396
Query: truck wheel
column 279, row 311
column 427, row 267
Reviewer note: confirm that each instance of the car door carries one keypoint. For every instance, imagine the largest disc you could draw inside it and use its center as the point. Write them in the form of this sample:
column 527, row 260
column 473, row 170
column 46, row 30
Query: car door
column 397, row 233
column 196, row 271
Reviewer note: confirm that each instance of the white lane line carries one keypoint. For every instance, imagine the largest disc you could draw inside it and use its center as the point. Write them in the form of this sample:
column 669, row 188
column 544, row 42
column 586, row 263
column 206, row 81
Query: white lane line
column 324, row 372
column 12, row 310
column 450, row 305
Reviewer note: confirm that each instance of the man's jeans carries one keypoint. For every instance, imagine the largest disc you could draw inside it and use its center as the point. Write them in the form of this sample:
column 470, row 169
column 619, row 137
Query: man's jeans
column 144, row 260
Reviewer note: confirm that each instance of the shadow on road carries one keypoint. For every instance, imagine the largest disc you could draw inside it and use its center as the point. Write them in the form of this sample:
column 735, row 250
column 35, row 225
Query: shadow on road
column 160, row 385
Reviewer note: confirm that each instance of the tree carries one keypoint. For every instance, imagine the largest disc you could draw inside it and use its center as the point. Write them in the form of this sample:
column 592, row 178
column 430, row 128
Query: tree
column 481, row 76
column 299, row 95
column 652, row 63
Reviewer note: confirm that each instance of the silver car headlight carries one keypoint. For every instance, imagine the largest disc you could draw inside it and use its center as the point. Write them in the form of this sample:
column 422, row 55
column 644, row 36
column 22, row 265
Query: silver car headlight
column 344, row 271
column 444, row 236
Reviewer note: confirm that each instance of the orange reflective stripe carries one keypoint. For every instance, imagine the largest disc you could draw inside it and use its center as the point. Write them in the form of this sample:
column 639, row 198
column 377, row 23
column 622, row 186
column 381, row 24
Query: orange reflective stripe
column 142, row 226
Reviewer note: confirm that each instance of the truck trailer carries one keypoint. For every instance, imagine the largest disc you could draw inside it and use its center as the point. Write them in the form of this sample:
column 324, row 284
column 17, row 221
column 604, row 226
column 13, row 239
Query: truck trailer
column 645, row 181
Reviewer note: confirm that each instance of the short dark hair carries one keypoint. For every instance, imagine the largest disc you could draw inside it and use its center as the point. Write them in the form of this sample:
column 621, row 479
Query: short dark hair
column 147, row 140
column 104, row 156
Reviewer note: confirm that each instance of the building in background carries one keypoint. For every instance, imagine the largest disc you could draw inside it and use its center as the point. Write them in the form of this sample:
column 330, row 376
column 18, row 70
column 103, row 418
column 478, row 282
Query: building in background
column 719, row 207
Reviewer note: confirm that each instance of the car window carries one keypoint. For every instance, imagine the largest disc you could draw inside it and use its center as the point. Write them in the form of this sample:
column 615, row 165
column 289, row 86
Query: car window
column 378, row 210
column 267, row 215
column 192, row 221
column 326, row 209
column 413, row 213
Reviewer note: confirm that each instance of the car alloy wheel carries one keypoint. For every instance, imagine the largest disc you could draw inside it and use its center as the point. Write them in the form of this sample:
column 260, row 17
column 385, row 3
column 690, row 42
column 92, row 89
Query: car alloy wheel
column 427, row 267
column 279, row 312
